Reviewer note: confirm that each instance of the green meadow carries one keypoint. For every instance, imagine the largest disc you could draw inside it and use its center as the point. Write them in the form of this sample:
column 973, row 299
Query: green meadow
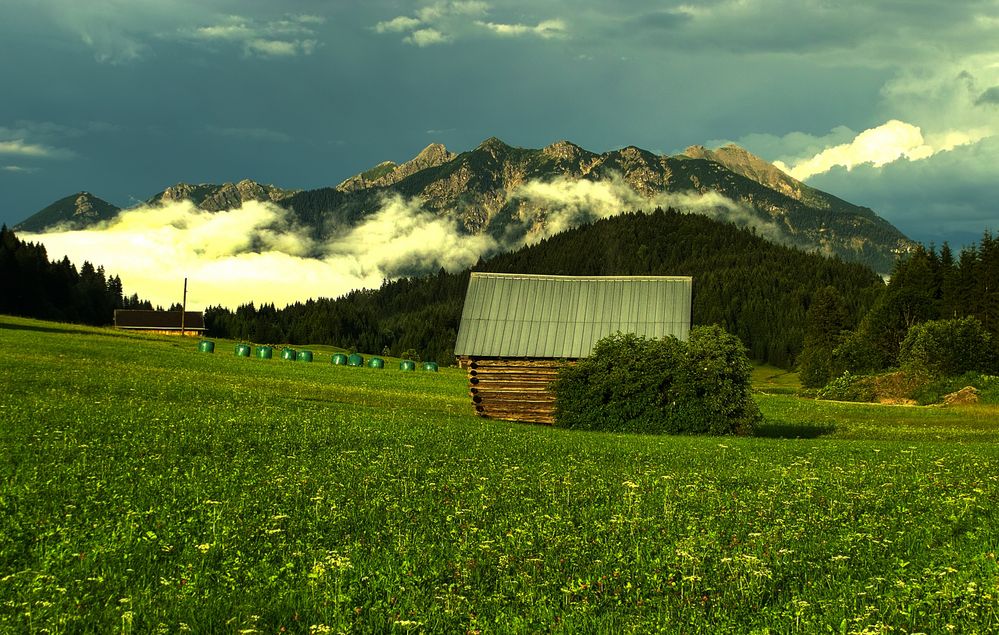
column 147, row 487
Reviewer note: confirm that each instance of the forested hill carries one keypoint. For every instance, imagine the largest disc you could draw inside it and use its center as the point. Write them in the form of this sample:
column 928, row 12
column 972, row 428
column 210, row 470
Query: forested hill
column 754, row 288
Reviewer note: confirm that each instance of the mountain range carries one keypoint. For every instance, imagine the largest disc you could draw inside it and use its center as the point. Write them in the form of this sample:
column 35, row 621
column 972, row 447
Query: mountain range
column 518, row 195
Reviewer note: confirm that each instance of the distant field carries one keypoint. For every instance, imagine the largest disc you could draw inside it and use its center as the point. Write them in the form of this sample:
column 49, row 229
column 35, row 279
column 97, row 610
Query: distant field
column 146, row 487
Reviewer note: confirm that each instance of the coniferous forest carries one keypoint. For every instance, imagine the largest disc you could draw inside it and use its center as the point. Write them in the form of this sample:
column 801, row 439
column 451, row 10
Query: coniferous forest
column 755, row 289
column 787, row 306
column 31, row 286
column 926, row 286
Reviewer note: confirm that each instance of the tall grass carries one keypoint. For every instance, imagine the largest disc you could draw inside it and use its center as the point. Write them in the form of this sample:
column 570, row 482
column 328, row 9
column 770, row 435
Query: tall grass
column 147, row 487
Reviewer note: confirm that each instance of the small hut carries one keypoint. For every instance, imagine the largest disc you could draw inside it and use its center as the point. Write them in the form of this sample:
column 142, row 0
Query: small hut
column 517, row 329
column 162, row 322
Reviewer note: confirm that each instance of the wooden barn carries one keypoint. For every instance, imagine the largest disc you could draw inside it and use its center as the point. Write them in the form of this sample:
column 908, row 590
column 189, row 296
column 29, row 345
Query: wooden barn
column 162, row 322
column 517, row 329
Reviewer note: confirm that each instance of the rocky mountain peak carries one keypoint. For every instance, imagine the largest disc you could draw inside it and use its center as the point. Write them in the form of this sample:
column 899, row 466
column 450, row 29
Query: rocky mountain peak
column 387, row 173
column 737, row 159
column 433, row 154
column 747, row 164
column 493, row 145
column 564, row 150
column 214, row 198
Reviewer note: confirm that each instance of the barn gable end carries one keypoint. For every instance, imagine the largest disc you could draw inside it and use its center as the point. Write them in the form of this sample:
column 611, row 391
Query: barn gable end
column 516, row 329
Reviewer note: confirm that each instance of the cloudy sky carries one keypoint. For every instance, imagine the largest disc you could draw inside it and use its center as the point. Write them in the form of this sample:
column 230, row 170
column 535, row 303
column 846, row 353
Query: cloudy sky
column 886, row 103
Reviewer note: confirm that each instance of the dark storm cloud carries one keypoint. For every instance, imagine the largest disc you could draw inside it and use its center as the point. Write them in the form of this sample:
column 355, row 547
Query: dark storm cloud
column 305, row 94
column 990, row 96
column 871, row 34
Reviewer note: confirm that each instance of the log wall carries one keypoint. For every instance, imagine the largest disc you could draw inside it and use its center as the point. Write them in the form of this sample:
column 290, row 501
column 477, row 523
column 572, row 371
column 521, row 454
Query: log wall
column 512, row 389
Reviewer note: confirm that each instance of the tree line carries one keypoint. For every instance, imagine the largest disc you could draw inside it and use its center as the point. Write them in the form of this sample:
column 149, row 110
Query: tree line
column 32, row 286
column 926, row 286
column 787, row 306
column 755, row 289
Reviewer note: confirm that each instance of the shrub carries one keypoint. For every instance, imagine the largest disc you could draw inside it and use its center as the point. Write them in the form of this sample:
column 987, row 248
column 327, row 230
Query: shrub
column 660, row 386
column 934, row 392
column 945, row 348
column 900, row 384
column 849, row 387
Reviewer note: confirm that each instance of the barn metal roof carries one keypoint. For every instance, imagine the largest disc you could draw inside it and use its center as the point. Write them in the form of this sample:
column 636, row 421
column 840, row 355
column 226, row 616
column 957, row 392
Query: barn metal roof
column 519, row 315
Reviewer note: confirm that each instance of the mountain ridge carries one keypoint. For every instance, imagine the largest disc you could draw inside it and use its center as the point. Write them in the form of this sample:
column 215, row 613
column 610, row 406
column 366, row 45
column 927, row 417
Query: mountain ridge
column 491, row 189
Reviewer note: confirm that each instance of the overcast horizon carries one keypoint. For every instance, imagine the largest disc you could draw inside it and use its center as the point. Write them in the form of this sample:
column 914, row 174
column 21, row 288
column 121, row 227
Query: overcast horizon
column 892, row 106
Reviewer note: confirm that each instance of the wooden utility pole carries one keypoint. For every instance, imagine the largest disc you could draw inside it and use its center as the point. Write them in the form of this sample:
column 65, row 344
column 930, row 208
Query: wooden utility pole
column 183, row 309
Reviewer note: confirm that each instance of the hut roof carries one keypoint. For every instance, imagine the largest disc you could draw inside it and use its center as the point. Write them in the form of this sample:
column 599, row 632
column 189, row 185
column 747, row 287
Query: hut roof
column 519, row 315
column 158, row 320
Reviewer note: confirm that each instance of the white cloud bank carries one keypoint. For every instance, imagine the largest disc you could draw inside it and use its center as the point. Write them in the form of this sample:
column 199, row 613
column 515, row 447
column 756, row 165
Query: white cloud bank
column 892, row 141
column 570, row 203
column 257, row 253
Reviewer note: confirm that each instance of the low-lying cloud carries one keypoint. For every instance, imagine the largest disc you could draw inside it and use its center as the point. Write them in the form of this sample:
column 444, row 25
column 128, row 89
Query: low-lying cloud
column 259, row 253
column 569, row 203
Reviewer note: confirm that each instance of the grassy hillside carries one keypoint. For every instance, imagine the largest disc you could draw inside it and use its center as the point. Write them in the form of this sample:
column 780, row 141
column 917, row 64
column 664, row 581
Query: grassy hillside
column 145, row 486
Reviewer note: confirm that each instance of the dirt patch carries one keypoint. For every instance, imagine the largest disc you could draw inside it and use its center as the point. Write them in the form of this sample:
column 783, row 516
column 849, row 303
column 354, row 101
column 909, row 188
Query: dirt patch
column 967, row 395
column 897, row 401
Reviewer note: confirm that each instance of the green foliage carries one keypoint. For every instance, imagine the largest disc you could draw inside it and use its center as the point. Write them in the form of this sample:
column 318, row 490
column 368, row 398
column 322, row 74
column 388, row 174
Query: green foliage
column 665, row 386
column 826, row 322
column 946, row 348
column 933, row 392
column 815, row 366
column 849, row 387
column 924, row 287
column 856, row 354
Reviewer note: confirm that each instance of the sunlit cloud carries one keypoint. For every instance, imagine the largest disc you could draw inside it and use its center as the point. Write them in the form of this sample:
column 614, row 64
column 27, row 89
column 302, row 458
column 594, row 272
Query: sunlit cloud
column 565, row 203
column 892, row 141
column 259, row 253
column 444, row 22
column 289, row 37
column 546, row 30
column 399, row 24
column 426, row 37
column 20, row 147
